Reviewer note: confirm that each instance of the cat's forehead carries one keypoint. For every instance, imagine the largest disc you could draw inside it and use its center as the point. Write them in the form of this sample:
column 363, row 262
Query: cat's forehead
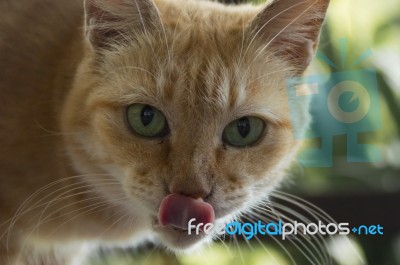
column 204, row 26
column 189, row 82
column 200, row 61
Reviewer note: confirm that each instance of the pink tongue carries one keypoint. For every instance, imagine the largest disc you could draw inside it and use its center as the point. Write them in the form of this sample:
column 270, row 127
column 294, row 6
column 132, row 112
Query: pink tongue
column 176, row 210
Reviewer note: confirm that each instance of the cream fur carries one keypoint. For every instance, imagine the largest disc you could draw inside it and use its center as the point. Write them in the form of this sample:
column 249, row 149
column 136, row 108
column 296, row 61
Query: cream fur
column 73, row 177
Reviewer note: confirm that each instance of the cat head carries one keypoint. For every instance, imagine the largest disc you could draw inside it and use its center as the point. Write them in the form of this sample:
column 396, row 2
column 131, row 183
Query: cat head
column 188, row 97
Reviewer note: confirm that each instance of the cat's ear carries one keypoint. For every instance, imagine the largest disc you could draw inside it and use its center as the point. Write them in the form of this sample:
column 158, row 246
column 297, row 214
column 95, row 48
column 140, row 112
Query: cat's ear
column 292, row 28
column 108, row 22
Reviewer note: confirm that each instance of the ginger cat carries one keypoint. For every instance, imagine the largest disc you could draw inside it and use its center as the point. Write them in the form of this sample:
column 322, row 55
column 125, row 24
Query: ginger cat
column 123, row 119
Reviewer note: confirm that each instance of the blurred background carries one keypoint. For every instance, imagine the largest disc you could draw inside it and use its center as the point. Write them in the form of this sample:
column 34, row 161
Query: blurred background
column 360, row 40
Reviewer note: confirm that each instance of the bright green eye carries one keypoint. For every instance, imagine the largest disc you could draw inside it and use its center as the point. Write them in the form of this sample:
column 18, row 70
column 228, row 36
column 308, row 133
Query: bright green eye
column 243, row 132
column 146, row 120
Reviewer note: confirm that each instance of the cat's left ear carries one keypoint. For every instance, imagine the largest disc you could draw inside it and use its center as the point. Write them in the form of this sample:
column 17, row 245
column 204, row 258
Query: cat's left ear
column 109, row 22
column 291, row 27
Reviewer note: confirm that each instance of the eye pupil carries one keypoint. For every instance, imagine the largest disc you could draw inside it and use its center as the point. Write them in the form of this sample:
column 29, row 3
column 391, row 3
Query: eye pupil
column 243, row 132
column 147, row 115
column 243, row 126
column 146, row 121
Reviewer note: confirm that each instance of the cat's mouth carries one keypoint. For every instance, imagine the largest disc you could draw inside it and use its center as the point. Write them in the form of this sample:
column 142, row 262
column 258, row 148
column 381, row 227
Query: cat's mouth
column 177, row 210
column 180, row 220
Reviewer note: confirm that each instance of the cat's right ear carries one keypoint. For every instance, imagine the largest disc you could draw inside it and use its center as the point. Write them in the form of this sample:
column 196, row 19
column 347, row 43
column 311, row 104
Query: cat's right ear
column 109, row 22
column 291, row 28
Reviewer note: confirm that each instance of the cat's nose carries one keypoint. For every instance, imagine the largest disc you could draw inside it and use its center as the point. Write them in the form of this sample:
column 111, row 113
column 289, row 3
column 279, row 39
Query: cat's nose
column 194, row 190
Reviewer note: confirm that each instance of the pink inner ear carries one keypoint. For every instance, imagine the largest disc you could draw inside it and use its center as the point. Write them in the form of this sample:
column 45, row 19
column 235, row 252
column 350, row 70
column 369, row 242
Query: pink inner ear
column 292, row 27
column 100, row 22
column 99, row 10
column 92, row 6
column 110, row 21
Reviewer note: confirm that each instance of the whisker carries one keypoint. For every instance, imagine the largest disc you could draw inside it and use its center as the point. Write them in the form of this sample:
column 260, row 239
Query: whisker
column 225, row 245
column 279, row 244
column 303, row 249
column 301, row 203
column 71, row 204
column 311, row 208
column 99, row 206
column 62, row 197
column 263, row 26
column 114, row 223
column 47, row 218
column 37, row 205
column 320, row 241
column 50, row 132
column 315, row 214
column 31, row 197
column 276, row 35
column 238, row 247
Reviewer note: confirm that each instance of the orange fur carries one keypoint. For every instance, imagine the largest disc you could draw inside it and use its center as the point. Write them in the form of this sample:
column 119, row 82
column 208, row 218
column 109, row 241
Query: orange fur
column 64, row 91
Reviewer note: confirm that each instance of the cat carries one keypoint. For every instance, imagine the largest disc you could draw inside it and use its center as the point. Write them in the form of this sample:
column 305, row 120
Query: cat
column 123, row 119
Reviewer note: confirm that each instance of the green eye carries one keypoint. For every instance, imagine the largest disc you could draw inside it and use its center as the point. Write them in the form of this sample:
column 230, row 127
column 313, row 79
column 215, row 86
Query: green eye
column 244, row 131
column 146, row 120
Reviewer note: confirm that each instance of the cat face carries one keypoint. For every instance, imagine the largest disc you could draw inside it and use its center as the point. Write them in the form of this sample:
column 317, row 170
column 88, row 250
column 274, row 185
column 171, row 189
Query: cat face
column 188, row 97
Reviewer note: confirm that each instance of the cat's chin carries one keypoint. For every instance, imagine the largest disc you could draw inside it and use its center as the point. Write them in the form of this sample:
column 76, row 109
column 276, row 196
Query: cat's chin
column 179, row 240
